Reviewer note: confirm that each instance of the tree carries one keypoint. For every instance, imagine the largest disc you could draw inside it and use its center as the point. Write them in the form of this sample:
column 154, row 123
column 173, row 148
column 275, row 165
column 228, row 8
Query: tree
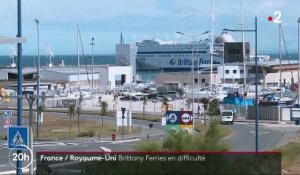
column 145, row 100
column 205, row 105
column 71, row 113
column 103, row 111
column 180, row 92
column 214, row 107
column 165, row 102
column 188, row 103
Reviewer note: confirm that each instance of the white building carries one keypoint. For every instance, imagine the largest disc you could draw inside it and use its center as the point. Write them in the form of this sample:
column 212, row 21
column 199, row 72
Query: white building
column 232, row 73
column 105, row 77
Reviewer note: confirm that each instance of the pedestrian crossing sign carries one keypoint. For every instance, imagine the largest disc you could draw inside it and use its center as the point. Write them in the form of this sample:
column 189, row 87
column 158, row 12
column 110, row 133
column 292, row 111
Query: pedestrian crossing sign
column 17, row 137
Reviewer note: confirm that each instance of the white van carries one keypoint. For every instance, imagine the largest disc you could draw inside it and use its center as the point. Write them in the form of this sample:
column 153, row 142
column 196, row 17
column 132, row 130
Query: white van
column 227, row 116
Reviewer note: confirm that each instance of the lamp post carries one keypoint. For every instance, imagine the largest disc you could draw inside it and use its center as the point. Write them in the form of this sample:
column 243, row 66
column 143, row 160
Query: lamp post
column 256, row 80
column 92, row 44
column 30, row 100
column 298, row 61
column 38, row 78
column 192, row 67
column 20, row 79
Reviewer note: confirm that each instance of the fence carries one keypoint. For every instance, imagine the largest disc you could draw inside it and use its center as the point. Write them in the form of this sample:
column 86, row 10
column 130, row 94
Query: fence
column 265, row 113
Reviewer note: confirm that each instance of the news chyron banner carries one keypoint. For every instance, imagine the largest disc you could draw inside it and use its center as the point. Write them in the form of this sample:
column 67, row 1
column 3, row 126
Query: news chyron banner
column 158, row 163
column 179, row 120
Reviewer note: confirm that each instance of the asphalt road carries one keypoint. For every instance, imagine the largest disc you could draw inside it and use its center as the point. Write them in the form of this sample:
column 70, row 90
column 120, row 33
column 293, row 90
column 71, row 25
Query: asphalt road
column 242, row 139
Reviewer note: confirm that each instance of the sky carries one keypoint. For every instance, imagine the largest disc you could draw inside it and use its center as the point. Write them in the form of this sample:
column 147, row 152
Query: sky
column 142, row 19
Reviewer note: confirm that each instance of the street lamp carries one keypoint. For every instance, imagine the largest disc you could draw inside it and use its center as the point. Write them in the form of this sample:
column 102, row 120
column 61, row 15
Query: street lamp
column 30, row 98
column 38, row 78
column 193, row 67
column 298, row 61
column 92, row 44
column 256, row 80
column 20, row 78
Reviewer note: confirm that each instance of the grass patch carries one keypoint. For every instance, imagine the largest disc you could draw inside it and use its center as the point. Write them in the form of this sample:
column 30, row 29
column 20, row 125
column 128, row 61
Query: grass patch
column 58, row 128
column 149, row 117
column 202, row 129
column 290, row 152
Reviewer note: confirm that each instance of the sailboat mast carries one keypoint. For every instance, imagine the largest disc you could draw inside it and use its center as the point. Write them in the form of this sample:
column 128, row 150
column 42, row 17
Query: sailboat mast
column 212, row 43
column 280, row 74
column 78, row 58
column 243, row 42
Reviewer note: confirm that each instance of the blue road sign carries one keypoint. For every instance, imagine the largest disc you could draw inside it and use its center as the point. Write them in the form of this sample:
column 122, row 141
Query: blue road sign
column 17, row 137
column 7, row 113
column 172, row 117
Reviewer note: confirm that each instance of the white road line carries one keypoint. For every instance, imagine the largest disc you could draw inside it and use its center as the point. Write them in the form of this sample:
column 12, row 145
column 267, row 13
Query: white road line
column 260, row 132
column 74, row 144
column 125, row 141
column 49, row 144
column 105, row 149
column 3, row 165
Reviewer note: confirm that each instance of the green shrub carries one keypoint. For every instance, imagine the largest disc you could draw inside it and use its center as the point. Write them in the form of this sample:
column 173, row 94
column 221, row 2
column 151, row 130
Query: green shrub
column 89, row 133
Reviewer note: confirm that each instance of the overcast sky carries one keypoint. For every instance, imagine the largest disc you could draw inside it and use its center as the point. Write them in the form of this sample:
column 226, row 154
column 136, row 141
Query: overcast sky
column 141, row 19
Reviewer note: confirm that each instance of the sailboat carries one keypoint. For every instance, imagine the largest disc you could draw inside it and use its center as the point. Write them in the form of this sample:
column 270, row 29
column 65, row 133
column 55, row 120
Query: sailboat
column 50, row 56
column 12, row 56
column 284, row 96
column 76, row 93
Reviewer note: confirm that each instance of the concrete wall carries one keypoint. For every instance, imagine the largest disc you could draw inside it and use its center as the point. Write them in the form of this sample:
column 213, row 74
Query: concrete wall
column 273, row 78
column 118, row 70
column 3, row 75
column 184, row 79
column 49, row 75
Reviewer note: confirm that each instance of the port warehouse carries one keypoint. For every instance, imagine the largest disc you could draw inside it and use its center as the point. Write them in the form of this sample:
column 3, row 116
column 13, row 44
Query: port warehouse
column 105, row 77
column 233, row 73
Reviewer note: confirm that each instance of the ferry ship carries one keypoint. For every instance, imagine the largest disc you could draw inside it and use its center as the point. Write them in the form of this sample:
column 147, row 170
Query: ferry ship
column 171, row 56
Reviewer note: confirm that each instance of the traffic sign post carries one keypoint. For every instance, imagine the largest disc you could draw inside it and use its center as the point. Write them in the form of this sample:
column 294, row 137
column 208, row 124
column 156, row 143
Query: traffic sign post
column 7, row 113
column 17, row 137
column 7, row 118
column 123, row 116
column 7, row 122
column 176, row 120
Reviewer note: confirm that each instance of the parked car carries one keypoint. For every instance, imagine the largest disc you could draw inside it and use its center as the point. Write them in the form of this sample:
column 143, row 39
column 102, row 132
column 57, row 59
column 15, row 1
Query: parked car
column 227, row 116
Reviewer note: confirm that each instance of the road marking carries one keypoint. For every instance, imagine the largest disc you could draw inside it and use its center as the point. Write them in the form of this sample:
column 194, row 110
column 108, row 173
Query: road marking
column 125, row 141
column 3, row 166
column 260, row 132
column 47, row 144
column 74, row 144
column 105, row 149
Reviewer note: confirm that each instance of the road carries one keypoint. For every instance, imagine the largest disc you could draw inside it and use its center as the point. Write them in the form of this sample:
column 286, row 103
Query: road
column 242, row 139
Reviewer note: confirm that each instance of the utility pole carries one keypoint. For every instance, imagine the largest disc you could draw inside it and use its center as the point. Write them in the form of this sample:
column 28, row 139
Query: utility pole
column 298, row 61
column 38, row 79
column 30, row 100
column 92, row 44
column 20, row 79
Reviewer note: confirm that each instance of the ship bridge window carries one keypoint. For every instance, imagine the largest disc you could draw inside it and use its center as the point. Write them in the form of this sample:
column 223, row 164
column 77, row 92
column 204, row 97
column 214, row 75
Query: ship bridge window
column 226, row 71
column 234, row 71
column 242, row 71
